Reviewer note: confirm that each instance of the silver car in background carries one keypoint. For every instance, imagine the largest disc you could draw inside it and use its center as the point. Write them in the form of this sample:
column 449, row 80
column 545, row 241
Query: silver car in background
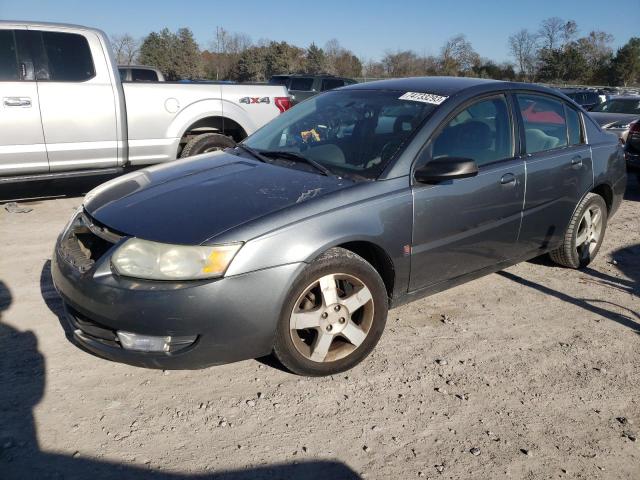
column 617, row 114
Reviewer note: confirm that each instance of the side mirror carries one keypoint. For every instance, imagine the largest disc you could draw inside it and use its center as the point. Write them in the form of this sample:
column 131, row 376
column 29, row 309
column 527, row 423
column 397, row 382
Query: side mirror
column 446, row 169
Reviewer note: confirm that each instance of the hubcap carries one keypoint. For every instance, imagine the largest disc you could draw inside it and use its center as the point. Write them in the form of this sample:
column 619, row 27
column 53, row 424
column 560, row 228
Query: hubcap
column 589, row 231
column 331, row 318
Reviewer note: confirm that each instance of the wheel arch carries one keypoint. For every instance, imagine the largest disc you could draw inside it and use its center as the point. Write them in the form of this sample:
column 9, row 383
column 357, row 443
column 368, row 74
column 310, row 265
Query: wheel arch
column 606, row 192
column 375, row 255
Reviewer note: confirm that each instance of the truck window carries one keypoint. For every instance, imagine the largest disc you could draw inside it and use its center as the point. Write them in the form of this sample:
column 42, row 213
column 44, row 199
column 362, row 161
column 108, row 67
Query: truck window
column 69, row 57
column 8, row 57
column 331, row 83
column 302, row 84
column 143, row 75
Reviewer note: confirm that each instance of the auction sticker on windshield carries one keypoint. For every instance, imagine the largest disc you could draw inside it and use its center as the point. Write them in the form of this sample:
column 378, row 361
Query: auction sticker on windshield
column 423, row 97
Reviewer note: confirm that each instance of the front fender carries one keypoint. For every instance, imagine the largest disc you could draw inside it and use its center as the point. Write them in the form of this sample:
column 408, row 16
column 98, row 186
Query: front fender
column 384, row 221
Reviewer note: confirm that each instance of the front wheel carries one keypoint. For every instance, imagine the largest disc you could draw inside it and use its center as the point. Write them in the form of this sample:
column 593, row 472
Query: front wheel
column 333, row 317
column 205, row 143
column 584, row 235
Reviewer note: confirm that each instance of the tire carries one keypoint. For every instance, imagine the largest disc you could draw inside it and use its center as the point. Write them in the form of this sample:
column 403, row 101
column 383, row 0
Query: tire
column 348, row 320
column 582, row 242
column 206, row 142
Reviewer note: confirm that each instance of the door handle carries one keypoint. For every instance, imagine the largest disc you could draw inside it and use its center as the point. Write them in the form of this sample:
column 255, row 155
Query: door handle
column 577, row 161
column 508, row 179
column 17, row 101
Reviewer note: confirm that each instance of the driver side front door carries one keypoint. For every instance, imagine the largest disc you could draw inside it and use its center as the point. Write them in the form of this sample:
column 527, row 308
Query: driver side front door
column 465, row 225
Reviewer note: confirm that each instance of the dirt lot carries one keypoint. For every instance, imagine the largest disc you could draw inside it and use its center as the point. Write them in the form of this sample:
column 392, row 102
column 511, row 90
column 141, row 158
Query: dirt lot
column 538, row 367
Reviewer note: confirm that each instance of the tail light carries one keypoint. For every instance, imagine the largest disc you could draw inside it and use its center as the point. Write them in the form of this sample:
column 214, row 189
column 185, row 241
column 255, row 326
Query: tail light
column 283, row 103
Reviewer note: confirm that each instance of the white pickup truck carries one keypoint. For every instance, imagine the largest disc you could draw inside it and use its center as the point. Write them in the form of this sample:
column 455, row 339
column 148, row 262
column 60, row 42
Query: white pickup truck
column 64, row 110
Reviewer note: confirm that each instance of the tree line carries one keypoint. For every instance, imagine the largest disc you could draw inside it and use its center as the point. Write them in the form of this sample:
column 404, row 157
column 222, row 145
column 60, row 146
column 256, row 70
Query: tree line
column 555, row 53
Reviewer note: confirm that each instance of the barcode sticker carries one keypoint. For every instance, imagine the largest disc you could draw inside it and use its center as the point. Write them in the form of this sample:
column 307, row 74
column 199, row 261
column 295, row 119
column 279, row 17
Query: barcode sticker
column 423, row 97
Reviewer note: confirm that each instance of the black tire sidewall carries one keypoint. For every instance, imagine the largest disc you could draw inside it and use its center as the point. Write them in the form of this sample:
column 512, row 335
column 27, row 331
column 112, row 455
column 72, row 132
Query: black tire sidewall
column 199, row 144
column 576, row 259
column 354, row 265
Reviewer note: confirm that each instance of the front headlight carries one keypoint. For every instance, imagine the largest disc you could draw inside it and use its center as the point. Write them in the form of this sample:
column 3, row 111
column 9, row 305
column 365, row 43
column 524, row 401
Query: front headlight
column 160, row 261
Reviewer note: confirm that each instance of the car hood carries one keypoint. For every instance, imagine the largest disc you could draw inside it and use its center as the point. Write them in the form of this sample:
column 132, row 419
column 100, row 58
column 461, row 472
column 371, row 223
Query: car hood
column 192, row 200
column 604, row 119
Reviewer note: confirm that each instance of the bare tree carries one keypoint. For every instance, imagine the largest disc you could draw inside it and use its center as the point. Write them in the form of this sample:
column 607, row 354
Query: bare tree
column 551, row 32
column 126, row 48
column 523, row 46
column 458, row 56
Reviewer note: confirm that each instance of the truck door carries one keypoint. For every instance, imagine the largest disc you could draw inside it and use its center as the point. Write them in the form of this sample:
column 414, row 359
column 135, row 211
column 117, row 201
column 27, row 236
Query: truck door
column 22, row 147
column 77, row 99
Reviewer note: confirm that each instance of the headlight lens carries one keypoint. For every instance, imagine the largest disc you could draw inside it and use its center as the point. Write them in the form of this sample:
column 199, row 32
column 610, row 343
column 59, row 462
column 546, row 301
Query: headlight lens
column 160, row 261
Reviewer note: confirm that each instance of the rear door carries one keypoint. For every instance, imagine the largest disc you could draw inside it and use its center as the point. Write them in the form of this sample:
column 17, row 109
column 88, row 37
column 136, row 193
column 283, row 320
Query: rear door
column 559, row 168
column 22, row 146
column 77, row 99
column 465, row 225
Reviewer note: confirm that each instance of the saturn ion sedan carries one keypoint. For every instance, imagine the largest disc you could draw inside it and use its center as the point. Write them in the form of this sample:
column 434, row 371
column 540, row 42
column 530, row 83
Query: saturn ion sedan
column 298, row 240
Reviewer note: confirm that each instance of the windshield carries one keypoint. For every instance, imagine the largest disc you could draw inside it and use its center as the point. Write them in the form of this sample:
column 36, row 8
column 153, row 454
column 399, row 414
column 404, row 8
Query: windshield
column 630, row 105
column 349, row 132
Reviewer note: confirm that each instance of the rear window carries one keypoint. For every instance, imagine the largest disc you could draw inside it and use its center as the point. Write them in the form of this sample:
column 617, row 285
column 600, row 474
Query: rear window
column 279, row 81
column 574, row 127
column 544, row 122
column 69, row 57
column 143, row 75
column 301, row 84
column 8, row 57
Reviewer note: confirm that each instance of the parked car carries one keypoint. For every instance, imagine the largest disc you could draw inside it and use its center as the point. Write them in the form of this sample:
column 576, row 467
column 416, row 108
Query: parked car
column 139, row 73
column 299, row 239
column 584, row 97
column 632, row 148
column 303, row 86
column 66, row 112
column 617, row 114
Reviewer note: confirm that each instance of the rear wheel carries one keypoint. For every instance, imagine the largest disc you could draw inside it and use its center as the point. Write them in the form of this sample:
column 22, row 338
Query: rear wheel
column 584, row 235
column 205, row 143
column 334, row 315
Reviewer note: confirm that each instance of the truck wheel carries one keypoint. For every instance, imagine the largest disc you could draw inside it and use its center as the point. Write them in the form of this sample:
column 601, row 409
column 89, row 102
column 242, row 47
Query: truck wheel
column 584, row 234
column 205, row 143
column 333, row 317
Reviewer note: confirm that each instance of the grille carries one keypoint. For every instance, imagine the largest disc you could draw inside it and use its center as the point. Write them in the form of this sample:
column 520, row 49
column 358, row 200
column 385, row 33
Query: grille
column 85, row 242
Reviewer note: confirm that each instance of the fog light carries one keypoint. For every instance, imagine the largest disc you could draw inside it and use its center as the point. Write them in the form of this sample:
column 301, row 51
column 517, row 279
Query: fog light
column 148, row 343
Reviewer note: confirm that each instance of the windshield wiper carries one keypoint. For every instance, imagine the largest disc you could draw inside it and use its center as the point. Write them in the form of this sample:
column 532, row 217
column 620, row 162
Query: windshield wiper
column 296, row 157
column 254, row 153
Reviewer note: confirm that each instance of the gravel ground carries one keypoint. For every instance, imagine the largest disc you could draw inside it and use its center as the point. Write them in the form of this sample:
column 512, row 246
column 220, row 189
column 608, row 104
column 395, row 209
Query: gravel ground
column 529, row 373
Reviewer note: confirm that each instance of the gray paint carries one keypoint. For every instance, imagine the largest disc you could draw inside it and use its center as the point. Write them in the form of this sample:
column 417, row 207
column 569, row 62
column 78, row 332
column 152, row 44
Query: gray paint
column 457, row 230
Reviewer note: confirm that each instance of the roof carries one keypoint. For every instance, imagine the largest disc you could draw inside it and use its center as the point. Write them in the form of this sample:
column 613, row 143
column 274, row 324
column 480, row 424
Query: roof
column 446, row 86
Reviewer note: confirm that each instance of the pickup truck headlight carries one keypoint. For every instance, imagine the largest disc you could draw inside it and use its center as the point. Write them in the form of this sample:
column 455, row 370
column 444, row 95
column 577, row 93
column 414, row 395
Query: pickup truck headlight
column 160, row 261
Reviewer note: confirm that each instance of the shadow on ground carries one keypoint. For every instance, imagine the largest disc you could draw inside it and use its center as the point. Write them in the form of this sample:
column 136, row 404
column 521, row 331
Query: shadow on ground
column 22, row 376
column 627, row 260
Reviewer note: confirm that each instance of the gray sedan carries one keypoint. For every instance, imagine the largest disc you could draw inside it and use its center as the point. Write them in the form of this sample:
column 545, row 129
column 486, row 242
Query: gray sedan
column 298, row 240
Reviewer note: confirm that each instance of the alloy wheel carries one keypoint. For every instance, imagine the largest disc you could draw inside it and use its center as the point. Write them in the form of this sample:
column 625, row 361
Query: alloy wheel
column 589, row 231
column 331, row 318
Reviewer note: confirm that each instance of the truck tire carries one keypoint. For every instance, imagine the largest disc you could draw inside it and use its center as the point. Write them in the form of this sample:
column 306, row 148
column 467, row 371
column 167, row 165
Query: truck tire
column 205, row 143
column 584, row 235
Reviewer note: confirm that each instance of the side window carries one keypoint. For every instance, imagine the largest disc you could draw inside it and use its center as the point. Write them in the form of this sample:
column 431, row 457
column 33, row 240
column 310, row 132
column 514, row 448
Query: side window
column 69, row 57
column 544, row 121
column 303, row 84
column 8, row 57
column 331, row 83
column 574, row 126
column 143, row 75
column 482, row 132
